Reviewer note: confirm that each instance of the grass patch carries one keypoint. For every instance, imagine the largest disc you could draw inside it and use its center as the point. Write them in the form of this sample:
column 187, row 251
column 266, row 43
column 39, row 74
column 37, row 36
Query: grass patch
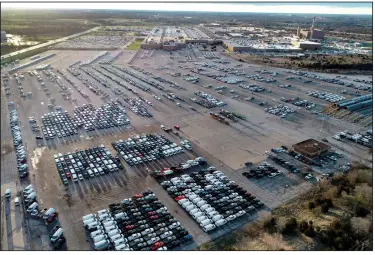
column 24, row 55
column 135, row 45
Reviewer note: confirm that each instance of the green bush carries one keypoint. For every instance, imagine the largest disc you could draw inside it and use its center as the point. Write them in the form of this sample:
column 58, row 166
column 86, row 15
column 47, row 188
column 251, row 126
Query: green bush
column 311, row 205
column 290, row 226
column 324, row 208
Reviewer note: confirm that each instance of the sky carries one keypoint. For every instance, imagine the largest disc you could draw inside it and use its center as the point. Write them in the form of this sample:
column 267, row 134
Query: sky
column 276, row 7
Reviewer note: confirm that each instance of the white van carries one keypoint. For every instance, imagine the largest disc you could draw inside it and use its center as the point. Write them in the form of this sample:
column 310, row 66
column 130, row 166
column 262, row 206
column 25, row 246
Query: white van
column 208, row 227
column 204, row 207
column 206, row 222
column 120, row 216
column 30, row 197
column 220, row 222
column 91, row 174
column 108, row 223
column 217, row 217
column 100, row 212
column 32, row 207
column 201, row 218
column 57, row 235
column 118, row 236
column 28, row 192
column 122, row 247
column 89, row 221
column 194, row 211
column 110, row 228
column 119, row 241
column 200, row 203
column 212, row 214
column 7, row 193
column 99, row 238
column 88, row 216
column 96, row 172
column 113, row 232
column 97, row 233
column 48, row 213
column 101, row 245
column 104, row 217
column 198, row 214
column 75, row 178
column 27, row 188
column 190, row 207
column 208, row 210
column 94, row 226
column 17, row 201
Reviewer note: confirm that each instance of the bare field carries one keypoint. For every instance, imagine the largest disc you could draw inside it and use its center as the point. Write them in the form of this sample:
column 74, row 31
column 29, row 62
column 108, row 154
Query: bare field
column 227, row 147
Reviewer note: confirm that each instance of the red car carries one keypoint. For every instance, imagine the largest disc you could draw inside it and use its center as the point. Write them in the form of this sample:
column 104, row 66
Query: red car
column 67, row 174
column 152, row 213
column 157, row 245
column 179, row 198
column 128, row 227
column 138, row 196
column 154, row 217
column 52, row 217
column 177, row 127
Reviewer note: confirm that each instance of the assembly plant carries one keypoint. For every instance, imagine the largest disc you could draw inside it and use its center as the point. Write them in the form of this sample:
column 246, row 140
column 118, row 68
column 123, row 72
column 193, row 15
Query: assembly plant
column 174, row 144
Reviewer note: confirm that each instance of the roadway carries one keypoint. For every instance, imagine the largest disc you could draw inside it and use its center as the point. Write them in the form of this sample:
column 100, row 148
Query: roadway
column 48, row 43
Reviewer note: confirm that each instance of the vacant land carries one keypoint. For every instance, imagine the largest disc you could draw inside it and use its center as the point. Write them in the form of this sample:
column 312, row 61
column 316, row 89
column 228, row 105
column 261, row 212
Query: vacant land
column 135, row 45
column 336, row 215
column 325, row 63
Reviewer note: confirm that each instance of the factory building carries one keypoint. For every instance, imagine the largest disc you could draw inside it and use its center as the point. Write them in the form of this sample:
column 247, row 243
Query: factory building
column 311, row 33
column 311, row 148
column 3, row 37
column 308, row 45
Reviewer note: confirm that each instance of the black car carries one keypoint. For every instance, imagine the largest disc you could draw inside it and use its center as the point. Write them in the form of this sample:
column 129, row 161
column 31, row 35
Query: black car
column 39, row 138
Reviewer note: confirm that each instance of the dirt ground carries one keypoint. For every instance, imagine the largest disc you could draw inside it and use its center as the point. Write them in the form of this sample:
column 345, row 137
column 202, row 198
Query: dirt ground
column 227, row 147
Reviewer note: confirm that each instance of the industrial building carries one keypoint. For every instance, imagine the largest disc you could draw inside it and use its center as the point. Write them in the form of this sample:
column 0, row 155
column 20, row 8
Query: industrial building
column 174, row 38
column 3, row 37
column 311, row 148
column 311, row 33
column 309, row 45
column 245, row 45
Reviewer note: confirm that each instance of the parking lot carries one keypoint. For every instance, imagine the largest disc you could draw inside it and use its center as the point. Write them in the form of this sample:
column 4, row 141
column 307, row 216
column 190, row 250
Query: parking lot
column 227, row 147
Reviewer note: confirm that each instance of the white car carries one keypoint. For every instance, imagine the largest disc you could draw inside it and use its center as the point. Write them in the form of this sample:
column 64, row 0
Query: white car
column 230, row 218
column 240, row 213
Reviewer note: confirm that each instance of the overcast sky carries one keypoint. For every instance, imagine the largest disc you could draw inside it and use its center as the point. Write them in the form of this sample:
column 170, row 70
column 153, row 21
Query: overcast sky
column 294, row 7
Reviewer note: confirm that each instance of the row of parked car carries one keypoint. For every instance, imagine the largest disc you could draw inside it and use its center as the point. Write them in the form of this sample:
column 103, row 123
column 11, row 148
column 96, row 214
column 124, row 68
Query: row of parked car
column 138, row 223
column 156, row 77
column 263, row 170
column 146, row 148
column 109, row 115
column 137, row 106
column 330, row 97
column 22, row 166
column 58, row 124
column 169, row 171
column 148, row 81
column 210, row 197
column 50, row 215
column 86, row 164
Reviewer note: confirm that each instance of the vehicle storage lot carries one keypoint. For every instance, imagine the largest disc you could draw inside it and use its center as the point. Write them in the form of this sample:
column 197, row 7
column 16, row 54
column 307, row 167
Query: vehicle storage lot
column 226, row 147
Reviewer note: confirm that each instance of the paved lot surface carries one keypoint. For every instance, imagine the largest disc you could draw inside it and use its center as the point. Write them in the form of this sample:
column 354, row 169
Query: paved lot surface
column 226, row 147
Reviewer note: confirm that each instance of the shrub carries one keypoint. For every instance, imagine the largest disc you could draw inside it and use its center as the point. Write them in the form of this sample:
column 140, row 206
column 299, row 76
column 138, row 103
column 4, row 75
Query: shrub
column 324, row 208
column 270, row 225
column 361, row 211
column 303, row 226
column 311, row 205
column 290, row 226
